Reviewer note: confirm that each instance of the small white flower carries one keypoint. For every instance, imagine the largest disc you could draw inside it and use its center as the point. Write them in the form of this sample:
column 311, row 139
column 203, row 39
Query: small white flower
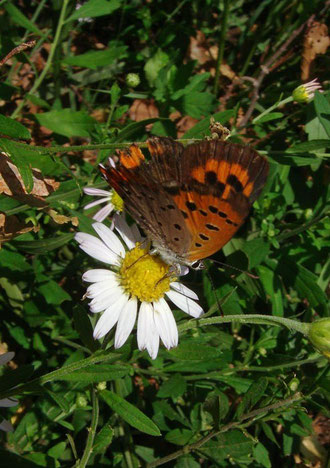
column 112, row 201
column 305, row 92
column 7, row 402
column 136, row 285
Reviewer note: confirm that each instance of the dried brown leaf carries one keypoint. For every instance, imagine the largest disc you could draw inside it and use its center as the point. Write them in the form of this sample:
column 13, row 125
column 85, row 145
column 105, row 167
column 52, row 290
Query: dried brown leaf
column 11, row 184
column 62, row 219
column 316, row 41
column 10, row 227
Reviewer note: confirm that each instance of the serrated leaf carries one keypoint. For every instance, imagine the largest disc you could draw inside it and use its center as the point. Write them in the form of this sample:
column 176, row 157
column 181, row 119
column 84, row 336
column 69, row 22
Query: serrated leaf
column 14, row 129
column 67, row 122
column 130, row 413
column 174, row 387
column 196, row 104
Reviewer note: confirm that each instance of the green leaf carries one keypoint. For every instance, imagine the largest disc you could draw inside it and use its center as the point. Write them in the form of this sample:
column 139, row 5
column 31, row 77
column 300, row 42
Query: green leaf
column 261, row 455
column 256, row 250
column 15, row 377
column 130, row 413
column 97, row 58
column 43, row 246
column 322, row 108
column 84, row 327
column 96, row 373
column 52, row 292
column 196, row 104
column 195, row 352
column 233, row 444
column 270, row 116
column 251, row 398
column 134, row 128
column 59, row 400
column 202, row 128
column 293, row 160
column 57, row 450
column 174, row 387
column 19, row 18
column 67, row 122
column 153, row 66
column 95, row 8
column 273, row 288
column 179, row 436
column 13, row 128
column 103, row 439
column 20, row 159
column 309, row 146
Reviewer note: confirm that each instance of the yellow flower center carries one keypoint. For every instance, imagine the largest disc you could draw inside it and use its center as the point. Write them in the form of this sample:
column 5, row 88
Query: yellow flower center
column 144, row 276
column 117, row 201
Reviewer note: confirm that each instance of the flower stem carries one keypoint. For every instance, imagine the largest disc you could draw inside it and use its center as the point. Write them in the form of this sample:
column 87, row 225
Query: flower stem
column 44, row 72
column 259, row 319
column 275, row 106
column 91, row 431
column 221, row 46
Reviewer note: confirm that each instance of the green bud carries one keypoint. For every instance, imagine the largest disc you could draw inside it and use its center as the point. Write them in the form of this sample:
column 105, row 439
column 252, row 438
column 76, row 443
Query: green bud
column 305, row 92
column 133, row 80
column 294, row 384
column 81, row 401
column 319, row 336
column 101, row 386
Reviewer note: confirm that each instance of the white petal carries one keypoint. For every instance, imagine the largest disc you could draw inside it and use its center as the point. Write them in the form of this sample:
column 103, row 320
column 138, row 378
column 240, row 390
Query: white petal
column 109, row 318
column 105, row 300
column 181, row 288
column 184, row 303
column 165, row 324
column 8, row 402
column 109, row 238
column 6, row 426
column 95, row 192
column 103, row 213
column 101, row 287
column 125, row 231
column 98, row 274
column 6, row 357
column 96, row 202
column 100, row 252
column 147, row 334
column 126, row 322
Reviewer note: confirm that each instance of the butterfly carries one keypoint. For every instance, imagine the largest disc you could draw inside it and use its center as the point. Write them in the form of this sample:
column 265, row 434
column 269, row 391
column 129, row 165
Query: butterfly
column 189, row 200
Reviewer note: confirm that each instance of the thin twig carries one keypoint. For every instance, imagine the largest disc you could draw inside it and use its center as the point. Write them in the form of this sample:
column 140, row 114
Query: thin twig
column 18, row 50
column 249, row 416
column 265, row 69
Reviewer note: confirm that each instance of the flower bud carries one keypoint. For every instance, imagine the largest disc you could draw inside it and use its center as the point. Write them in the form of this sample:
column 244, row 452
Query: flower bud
column 81, row 401
column 319, row 336
column 294, row 384
column 133, row 80
column 305, row 92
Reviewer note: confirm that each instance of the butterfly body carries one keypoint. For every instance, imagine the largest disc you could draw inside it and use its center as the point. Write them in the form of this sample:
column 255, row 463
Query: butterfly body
column 190, row 200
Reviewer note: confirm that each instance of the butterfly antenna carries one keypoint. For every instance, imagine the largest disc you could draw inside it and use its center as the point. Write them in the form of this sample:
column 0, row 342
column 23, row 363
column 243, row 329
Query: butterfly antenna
column 234, row 268
column 215, row 293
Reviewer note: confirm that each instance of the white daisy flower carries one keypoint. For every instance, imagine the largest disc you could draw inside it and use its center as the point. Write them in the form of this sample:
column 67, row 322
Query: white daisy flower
column 136, row 284
column 112, row 201
column 7, row 402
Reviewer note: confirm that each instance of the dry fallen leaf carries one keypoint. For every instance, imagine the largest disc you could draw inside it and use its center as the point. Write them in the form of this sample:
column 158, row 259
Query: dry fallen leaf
column 11, row 184
column 316, row 41
column 62, row 219
column 142, row 109
column 10, row 227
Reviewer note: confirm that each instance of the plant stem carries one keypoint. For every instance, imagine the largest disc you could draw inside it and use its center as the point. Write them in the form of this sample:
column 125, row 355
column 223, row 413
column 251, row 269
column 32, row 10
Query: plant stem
column 260, row 319
column 91, row 430
column 249, row 416
column 275, row 106
column 44, row 72
column 221, row 46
